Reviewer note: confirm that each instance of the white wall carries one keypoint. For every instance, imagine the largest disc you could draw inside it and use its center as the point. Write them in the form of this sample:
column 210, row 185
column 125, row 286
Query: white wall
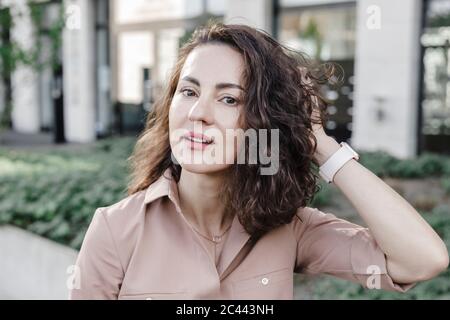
column 32, row 267
column 167, row 51
column 387, row 76
column 136, row 11
column 79, row 71
column 256, row 13
column 134, row 52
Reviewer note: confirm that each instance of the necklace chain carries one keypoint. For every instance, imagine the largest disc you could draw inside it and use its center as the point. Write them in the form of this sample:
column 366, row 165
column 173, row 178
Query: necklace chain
column 215, row 238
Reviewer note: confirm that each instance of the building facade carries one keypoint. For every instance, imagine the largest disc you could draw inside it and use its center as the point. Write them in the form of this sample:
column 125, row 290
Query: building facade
column 117, row 54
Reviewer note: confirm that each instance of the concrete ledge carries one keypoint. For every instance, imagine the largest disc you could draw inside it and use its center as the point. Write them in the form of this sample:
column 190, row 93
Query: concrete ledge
column 32, row 267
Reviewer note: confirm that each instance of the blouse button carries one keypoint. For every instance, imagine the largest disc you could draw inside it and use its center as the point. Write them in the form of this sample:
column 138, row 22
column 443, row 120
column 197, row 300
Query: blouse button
column 264, row 281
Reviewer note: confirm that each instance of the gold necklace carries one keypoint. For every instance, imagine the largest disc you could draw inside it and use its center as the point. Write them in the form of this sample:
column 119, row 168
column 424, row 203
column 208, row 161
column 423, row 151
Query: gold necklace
column 216, row 238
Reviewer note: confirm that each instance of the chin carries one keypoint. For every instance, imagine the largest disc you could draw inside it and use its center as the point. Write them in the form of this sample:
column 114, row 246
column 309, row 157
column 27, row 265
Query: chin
column 205, row 168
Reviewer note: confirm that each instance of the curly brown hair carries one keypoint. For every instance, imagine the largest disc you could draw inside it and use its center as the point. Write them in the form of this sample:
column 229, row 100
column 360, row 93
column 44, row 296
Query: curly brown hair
column 281, row 92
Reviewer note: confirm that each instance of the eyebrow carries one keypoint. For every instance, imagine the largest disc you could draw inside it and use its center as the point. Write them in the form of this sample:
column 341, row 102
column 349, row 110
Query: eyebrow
column 221, row 85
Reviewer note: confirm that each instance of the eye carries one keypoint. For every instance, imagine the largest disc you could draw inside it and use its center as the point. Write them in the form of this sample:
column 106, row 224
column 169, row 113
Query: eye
column 187, row 92
column 230, row 100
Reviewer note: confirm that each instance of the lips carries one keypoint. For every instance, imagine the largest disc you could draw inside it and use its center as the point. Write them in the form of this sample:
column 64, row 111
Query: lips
column 198, row 138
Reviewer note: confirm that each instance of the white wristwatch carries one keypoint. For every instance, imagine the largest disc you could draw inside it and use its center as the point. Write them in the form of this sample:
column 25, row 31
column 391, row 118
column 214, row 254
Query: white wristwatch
column 336, row 161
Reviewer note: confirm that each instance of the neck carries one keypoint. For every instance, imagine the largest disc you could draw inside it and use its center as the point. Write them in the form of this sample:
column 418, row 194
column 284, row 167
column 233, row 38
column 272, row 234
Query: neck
column 200, row 202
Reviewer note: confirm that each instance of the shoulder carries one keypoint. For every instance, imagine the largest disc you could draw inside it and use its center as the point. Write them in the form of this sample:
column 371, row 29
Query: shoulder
column 304, row 215
column 312, row 215
column 310, row 219
column 121, row 219
column 114, row 230
column 301, row 219
column 129, row 213
column 317, row 225
column 126, row 208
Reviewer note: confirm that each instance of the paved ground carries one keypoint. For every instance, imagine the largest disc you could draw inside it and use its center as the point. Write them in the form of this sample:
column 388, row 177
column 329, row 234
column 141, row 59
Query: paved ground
column 42, row 140
column 12, row 138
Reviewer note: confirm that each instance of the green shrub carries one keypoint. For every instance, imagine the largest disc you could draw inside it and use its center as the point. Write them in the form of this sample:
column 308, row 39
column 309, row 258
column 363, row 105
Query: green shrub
column 445, row 182
column 378, row 162
column 323, row 196
column 426, row 165
column 55, row 194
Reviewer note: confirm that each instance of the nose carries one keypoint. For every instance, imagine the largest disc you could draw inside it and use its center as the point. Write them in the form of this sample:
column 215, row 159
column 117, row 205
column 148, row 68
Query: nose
column 202, row 111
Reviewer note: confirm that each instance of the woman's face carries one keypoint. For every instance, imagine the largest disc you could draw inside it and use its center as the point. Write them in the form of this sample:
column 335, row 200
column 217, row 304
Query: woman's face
column 205, row 108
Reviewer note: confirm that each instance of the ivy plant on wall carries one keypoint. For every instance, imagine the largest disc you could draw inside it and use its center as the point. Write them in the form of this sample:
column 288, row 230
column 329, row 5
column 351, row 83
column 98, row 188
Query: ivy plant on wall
column 13, row 55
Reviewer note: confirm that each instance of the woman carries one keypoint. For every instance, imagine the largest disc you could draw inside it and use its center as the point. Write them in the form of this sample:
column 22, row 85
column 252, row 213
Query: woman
column 199, row 224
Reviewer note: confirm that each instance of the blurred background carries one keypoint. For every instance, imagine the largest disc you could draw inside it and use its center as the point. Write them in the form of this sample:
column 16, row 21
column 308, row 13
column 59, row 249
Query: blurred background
column 77, row 78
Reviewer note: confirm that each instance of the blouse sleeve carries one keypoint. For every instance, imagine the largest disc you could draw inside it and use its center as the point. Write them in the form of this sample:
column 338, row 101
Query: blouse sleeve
column 330, row 245
column 99, row 271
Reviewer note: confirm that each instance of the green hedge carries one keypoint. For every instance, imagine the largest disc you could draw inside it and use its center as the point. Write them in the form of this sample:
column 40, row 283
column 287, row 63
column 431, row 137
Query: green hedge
column 426, row 165
column 384, row 165
column 55, row 194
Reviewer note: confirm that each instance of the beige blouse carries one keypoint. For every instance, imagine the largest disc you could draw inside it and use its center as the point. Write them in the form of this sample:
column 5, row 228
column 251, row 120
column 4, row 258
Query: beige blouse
column 144, row 248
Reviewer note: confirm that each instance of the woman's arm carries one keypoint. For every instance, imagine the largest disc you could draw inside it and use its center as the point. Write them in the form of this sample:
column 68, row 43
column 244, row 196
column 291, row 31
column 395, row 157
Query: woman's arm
column 413, row 250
